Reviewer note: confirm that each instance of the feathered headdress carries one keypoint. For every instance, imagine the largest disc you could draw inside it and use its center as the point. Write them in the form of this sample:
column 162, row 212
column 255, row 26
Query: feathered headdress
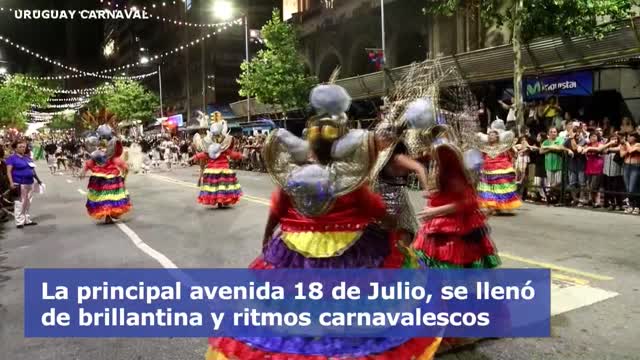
column 504, row 136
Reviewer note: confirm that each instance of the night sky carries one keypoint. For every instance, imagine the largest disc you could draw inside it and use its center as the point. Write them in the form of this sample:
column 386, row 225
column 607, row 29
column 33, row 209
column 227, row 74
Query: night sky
column 51, row 37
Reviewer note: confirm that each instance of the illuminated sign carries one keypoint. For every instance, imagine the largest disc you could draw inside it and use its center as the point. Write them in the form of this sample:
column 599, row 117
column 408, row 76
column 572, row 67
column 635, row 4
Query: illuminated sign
column 568, row 84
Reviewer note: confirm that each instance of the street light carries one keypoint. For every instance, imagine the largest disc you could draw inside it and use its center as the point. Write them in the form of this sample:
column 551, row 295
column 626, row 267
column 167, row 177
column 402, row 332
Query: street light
column 224, row 10
column 144, row 60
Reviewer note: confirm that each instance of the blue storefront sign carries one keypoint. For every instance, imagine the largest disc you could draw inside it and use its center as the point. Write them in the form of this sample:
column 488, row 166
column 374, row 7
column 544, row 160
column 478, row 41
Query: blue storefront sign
column 567, row 84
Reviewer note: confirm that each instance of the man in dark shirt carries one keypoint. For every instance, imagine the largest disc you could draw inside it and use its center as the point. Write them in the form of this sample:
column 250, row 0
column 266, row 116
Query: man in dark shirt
column 576, row 165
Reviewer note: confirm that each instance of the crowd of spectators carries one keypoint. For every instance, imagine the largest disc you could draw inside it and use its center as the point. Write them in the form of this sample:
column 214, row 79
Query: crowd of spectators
column 567, row 161
column 558, row 159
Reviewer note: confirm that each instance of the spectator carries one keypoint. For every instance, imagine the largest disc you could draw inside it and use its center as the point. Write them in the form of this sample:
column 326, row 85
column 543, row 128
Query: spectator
column 553, row 150
column 607, row 129
column 484, row 115
column 541, row 107
column 630, row 151
column 540, row 179
column 613, row 179
column 575, row 142
column 627, row 126
column 569, row 128
column 22, row 172
column 552, row 114
column 594, row 168
column 511, row 115
column 522, row 160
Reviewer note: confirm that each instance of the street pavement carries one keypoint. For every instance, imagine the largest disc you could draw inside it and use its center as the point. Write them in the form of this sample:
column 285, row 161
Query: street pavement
column 593, row 257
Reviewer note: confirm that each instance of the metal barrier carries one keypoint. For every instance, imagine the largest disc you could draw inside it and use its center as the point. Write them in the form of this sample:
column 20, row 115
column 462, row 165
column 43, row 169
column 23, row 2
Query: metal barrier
column 562, row 193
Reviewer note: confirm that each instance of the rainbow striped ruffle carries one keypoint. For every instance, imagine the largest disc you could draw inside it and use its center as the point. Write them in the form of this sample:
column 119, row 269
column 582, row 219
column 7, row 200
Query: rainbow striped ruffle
column 219, row 187
column 497, row 189
column 297, row 348
column 107, row 196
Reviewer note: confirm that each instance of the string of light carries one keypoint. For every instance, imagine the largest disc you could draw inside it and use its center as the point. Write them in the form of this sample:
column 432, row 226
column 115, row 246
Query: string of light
column 46, row 116
column 167, row 20
column 85, row 91
column 165, row 54
column 101, row 73
column 75, row 105
column 65, row 77
column 71, row 99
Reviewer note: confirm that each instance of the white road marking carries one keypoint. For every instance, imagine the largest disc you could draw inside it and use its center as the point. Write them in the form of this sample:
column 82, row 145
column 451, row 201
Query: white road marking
column 574, row 297
column 135, row 239
column 69, row 181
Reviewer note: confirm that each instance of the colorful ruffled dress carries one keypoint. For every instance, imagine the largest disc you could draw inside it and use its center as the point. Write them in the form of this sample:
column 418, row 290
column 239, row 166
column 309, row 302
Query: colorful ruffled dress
column 107, row 195
column 219, row 185
column 457, row 240
column 346, row 236
column 497, row 188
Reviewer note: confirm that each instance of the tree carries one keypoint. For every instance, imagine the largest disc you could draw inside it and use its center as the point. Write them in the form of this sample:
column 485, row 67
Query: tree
column 127, row 99
column 528, row 19
column 277, row 75
column 64, row 121
column 98, row 100
column 17, row 96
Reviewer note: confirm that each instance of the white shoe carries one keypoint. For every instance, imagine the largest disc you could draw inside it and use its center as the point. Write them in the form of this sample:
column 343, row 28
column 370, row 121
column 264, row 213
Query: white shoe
column 628, row 210
column 636, row 211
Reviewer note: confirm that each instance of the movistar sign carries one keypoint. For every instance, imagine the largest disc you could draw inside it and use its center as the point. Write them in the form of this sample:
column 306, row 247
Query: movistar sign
column 570, row 84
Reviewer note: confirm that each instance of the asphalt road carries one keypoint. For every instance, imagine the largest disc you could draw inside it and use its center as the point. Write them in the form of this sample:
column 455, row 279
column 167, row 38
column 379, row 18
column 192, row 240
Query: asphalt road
column 594, row 257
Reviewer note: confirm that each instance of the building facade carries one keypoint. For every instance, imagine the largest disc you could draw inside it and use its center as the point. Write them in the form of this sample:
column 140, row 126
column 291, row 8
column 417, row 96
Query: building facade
column 348, row 34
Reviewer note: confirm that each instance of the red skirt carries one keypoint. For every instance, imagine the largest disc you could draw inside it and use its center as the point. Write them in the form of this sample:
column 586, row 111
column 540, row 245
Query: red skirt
column 441, row 243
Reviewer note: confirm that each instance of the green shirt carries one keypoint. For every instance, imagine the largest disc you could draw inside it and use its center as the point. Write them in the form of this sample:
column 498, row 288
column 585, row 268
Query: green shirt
column 553, row 160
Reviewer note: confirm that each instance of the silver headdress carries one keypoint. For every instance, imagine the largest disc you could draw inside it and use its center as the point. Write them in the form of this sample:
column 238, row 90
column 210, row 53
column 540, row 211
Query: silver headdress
column 103, row 144
column 505, row 139
column 313, row 186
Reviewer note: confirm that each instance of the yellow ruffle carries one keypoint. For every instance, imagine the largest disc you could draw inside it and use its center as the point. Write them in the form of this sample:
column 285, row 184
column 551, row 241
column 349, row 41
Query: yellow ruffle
column 506, row 188
column 216, row 188
column 218, row 171
column 499, row 171
column 110, row 197
column 215, row 355
column 320, row 244
column 104, row 176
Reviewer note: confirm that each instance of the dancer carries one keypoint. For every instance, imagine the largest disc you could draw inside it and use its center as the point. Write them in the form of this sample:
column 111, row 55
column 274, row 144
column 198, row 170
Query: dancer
column 454, row 233
column 323, row 181
column 218, row 183
column 401, row 146
column 107, row 197
column 136, row 158
column 497, row 184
